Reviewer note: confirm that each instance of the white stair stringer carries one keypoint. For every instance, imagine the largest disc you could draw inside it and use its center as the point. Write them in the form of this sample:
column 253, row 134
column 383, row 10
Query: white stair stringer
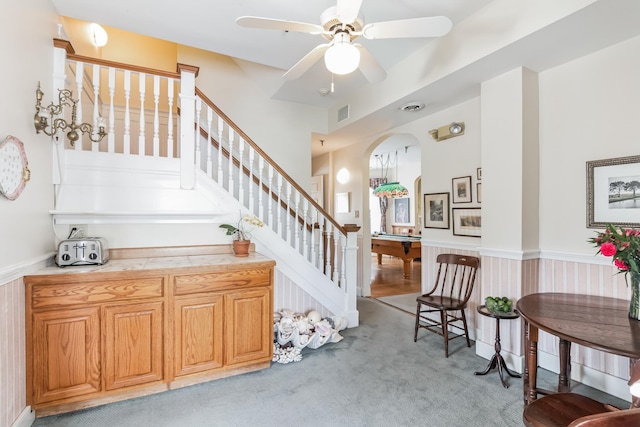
column 288, row 261
column 124, row 187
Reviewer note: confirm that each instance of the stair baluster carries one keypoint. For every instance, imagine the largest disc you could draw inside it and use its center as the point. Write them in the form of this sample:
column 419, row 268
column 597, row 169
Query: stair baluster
column 142, row 88
column 156, row 118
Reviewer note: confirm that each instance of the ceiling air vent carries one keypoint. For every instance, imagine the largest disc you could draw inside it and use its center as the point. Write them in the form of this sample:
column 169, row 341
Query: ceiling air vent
column 343, row 113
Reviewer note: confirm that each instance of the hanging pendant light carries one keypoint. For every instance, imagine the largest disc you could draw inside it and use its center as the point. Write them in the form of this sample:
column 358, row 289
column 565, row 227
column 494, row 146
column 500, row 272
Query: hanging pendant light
column 391, row 190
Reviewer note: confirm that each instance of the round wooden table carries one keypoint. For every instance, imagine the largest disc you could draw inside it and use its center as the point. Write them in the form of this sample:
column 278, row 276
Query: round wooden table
column 592, row 321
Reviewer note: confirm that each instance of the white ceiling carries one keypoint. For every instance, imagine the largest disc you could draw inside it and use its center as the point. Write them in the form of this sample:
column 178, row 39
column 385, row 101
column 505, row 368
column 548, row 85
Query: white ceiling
column 267, row 54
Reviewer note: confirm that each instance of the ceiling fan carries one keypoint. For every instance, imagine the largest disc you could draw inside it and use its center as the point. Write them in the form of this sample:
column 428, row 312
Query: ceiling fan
column 341, row 25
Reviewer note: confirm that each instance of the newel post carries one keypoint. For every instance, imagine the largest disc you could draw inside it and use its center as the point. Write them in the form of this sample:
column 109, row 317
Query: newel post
column 351, row 273
column 187, row 140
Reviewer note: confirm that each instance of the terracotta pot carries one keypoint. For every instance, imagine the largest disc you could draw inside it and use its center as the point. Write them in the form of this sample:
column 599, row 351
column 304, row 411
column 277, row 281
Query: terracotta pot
column 241, row 247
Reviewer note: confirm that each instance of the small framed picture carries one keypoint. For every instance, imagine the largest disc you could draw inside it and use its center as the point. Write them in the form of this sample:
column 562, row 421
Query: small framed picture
column 479, row 174
column 342, row 202
column 612, row 192
column 461, row 189
column 467, row 222
column 479, row 192
column 401, row 209
column 436, row 210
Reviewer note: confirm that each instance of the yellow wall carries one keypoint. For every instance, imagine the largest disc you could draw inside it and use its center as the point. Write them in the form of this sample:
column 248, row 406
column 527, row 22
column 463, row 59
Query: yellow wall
column 123, row 46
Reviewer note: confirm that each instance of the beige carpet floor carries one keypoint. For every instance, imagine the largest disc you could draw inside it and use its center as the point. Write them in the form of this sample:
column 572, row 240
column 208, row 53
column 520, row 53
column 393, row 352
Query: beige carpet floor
column 375, row 376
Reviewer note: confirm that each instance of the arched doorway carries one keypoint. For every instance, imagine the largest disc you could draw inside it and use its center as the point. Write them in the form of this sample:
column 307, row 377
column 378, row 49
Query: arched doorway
column 396, row 158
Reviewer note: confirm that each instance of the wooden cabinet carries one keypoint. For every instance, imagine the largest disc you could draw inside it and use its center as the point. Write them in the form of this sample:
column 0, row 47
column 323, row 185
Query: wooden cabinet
column 198, row 327
column 133, row 345
column 222, row 318
column 94, row 338
column 248, row 316
column 66, row 353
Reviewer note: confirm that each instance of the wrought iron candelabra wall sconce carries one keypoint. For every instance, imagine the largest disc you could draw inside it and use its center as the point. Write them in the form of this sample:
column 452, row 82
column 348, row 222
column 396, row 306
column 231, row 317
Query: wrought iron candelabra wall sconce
column 44, row 118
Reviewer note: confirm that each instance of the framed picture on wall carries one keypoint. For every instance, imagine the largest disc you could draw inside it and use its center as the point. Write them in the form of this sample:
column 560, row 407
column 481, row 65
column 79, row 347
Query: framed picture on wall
column 479, row 174
column 401, row 210
column 461, row 189
column 479, row 192
column 613, row 192
column 467, row 222
column 342, row 202
column 436, row 210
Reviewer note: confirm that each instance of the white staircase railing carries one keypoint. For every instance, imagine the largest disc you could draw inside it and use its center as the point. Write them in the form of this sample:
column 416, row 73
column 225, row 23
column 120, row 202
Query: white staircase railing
column 235, row 162
column 154, row 113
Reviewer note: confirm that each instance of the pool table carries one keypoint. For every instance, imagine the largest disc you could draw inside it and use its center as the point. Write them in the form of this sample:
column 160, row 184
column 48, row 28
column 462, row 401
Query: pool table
column 402, row 246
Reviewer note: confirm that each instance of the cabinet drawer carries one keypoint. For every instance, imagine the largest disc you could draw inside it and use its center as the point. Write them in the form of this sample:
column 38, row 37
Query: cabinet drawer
column 64, row 294
column 207, row 282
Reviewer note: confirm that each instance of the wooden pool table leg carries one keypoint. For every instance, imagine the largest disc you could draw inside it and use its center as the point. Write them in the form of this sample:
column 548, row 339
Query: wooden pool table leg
column 406, row 268
column 379, row 258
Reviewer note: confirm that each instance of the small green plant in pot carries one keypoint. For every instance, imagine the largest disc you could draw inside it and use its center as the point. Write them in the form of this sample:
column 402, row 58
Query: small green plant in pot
column 241, row 230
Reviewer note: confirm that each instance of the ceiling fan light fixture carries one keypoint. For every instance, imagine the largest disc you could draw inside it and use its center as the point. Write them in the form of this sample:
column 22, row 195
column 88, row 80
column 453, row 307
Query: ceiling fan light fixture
column 342, row 57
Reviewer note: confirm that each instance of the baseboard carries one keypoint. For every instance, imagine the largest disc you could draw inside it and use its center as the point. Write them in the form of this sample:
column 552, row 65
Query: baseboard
column 602, row 381
column 25, row 419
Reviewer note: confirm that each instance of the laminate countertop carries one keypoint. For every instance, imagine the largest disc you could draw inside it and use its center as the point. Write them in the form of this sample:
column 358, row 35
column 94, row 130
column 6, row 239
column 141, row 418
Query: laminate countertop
column 160, row 264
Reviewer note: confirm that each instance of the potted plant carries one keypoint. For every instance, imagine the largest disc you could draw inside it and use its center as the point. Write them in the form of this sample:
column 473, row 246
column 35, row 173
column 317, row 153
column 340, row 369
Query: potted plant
column 241, row 234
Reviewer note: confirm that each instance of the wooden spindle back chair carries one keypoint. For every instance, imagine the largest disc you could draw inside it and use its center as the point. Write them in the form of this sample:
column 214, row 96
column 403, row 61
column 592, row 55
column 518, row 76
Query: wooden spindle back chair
column 448, row 297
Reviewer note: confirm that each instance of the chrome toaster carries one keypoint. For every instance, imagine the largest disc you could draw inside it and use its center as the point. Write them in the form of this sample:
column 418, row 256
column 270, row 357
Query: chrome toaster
column 82, row 251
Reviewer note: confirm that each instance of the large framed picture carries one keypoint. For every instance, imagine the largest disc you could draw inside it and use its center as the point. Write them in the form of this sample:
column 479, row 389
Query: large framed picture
column 467, row 222
column 461, row 189
column 613, row 192
column 401, row 209
column 436, row 210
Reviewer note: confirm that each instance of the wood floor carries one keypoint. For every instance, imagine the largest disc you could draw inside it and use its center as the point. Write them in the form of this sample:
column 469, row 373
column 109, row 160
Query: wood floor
column 386, row 279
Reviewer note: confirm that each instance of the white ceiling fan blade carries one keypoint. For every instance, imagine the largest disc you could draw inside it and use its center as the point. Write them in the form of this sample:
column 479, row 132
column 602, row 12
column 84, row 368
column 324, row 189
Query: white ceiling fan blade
column 372, row 71
column 278, row 24
column 347, row 10
column 307, row 62
column 433, row 26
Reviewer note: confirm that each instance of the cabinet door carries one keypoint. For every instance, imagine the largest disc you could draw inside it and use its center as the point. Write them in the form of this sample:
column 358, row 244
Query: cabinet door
column 197, row 334
column 248, row 326
column 66, row 353
column 133, row 344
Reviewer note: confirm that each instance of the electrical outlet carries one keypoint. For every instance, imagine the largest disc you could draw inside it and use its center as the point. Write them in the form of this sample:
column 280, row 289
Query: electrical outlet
column 78, row 231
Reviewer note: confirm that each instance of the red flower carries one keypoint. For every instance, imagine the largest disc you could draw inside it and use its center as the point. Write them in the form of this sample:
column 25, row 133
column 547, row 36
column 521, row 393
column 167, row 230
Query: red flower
column 608, row 249
column 620, row 264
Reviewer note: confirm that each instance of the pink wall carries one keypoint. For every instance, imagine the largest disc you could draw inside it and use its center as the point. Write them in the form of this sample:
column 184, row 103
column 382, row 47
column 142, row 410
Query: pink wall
column 12, row 352
column 514, row 278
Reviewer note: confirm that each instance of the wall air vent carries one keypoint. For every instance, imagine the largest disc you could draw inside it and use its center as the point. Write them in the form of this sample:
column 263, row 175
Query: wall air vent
column 343, row 113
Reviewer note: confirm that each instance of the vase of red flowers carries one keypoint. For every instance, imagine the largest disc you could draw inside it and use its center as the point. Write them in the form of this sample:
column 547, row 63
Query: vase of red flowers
column 623, row 244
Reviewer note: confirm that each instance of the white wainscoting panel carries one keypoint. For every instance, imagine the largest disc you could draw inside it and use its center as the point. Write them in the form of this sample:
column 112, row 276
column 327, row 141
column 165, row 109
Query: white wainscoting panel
column 12, row 352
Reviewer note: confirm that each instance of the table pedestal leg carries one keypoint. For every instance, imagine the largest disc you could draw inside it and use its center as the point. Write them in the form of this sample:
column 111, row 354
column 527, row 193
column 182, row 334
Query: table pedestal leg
column 498, row 361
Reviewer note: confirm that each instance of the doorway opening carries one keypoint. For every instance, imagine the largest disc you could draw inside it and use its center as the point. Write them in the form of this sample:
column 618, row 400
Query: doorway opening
column 394, row 274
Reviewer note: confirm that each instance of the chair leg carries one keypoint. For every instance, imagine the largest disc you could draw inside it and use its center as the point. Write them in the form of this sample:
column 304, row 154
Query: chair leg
column 445, row 331
column 466, row 331
column 415, row 333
